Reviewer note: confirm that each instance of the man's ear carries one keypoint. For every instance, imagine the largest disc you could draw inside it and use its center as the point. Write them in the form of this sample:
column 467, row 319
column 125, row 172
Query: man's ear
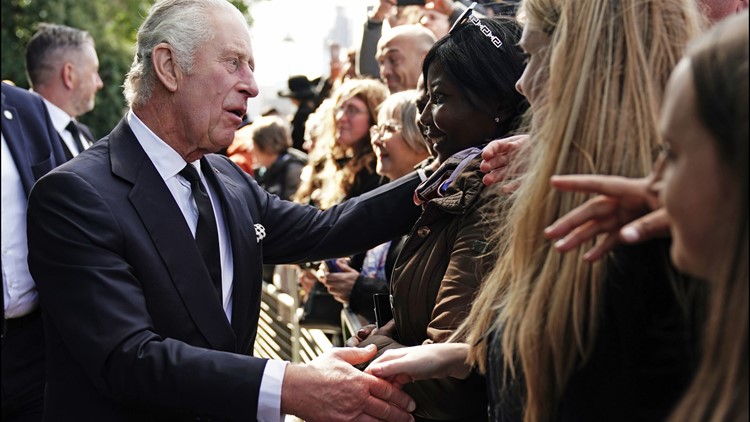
column 68, row 75
column 167, row 71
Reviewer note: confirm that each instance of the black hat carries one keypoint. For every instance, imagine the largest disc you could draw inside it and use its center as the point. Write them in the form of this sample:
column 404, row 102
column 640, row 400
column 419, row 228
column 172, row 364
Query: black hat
column 300, row 88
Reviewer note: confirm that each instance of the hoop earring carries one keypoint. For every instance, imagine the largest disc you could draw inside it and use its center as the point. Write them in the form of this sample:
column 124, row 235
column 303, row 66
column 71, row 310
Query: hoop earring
column 497, row 120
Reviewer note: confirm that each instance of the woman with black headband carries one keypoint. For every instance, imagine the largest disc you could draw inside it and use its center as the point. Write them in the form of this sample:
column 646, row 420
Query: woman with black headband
column 469, row 78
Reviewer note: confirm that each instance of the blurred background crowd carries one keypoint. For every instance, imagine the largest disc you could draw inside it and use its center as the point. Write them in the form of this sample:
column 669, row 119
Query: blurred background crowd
column 355, row 94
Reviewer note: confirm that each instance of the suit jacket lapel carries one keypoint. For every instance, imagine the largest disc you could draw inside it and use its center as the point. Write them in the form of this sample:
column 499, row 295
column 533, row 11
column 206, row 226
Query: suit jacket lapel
column 245, row 253
column 171, row 236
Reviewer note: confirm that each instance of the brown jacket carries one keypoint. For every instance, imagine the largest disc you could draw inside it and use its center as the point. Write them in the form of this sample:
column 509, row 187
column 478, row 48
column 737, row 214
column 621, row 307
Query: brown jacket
column 436, row 277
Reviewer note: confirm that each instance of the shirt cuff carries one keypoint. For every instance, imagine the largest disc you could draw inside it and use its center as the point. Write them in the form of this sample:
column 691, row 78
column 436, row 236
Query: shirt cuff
column 269, row 398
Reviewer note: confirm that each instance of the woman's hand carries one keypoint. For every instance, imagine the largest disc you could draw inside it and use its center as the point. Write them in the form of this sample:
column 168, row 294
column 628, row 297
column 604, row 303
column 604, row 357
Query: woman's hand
column 428, row 361
column 361, row 335
column 626, row 211
column 497, row 157
column 370, row 330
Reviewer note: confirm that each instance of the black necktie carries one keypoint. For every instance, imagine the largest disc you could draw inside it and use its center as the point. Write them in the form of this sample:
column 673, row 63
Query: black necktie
column 73, row 129
column 206, row 234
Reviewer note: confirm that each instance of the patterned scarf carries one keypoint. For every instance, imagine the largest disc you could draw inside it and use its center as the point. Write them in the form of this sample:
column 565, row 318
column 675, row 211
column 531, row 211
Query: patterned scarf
column 437, row 184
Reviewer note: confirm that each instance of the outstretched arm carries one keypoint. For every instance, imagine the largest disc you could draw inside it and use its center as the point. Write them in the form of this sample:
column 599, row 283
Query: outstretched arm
column 314, row 391
column 626, row 211
column 437, row 360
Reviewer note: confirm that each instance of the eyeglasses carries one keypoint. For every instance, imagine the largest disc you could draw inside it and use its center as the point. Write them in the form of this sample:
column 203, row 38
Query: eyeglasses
column 378, row 131
column 468, row 18
column 349, row 111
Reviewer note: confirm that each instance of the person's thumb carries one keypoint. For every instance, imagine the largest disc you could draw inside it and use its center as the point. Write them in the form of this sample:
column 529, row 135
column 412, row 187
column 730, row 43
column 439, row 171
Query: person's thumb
column 652, row 225
column 357, row 355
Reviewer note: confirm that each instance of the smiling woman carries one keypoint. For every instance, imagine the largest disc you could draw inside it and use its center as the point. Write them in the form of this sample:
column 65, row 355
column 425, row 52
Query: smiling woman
column 349, row 166
column 470, row 100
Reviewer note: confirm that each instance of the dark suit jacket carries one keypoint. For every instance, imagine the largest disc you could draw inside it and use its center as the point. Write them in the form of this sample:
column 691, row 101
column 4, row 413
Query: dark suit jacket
column 31, row 138
column 134, row 330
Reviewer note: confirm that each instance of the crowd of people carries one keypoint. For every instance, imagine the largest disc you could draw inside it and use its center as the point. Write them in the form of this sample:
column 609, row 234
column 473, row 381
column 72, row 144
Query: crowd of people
column 552, row 195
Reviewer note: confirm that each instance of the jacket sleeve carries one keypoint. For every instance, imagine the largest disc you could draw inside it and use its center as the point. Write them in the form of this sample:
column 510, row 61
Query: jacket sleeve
column 367, row 64
column 97, row 305
column 450, row 398
column 297, row 233
column 470, row 260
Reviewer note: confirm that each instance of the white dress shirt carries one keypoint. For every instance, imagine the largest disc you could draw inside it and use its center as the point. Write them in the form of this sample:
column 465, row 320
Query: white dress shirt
column 60, row 120
column 169, row 163
column 19, row 290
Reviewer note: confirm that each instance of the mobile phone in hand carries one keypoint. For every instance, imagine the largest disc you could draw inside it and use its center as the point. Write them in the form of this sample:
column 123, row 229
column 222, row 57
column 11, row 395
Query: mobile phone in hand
column 332, row 266
column 383, row 310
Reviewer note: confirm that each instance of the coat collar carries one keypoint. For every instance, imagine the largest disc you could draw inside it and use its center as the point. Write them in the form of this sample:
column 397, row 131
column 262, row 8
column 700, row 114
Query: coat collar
column 174, row 242
column 463, row 191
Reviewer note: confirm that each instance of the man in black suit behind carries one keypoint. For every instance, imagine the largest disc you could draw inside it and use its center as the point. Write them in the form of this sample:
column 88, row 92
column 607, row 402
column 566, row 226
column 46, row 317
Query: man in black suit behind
column 30, row 149
column 63, row 67
column 136, row 330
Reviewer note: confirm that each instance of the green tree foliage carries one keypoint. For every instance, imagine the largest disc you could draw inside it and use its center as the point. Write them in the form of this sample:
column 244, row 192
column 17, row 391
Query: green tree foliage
column 112, row 23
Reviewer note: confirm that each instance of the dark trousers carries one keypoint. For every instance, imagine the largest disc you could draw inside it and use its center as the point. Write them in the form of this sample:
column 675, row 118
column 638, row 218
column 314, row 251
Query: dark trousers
column 23, row 369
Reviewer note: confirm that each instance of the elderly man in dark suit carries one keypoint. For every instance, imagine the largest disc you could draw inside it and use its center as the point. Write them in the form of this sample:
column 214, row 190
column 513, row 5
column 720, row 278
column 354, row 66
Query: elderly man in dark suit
column 147, row 250
column 30, row 149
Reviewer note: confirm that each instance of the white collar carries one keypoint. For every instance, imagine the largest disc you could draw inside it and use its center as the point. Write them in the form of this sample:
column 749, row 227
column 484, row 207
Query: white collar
column 167, row 161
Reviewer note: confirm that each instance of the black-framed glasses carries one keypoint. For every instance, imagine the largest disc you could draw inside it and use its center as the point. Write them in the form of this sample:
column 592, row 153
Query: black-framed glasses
column 468, row 18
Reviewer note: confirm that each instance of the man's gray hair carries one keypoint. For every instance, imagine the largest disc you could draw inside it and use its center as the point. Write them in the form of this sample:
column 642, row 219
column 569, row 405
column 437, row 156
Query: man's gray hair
column 48, row 47
column 185, row 26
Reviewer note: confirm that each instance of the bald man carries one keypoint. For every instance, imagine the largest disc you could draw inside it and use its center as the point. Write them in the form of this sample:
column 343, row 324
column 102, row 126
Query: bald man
column 400, row 54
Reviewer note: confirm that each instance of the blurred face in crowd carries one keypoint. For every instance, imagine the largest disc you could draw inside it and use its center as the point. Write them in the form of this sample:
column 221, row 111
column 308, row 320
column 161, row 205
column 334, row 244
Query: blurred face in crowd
column 212, row 100
column 85, row 79
column 400, row 62
column 240, row 151
column 532, row 84
column 692, row 182
column 395, row 157
column 260, row 157
column 436, row 22
column 352, row 122
column 453, row 123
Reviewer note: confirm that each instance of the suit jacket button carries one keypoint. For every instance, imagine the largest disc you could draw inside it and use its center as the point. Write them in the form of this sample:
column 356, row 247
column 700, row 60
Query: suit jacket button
column 423, row 231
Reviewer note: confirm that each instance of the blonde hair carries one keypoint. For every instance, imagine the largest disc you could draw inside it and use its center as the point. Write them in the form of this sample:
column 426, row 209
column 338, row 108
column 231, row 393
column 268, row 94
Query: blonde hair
column 603, row 120
column 319, row 127
column 720, row 389
column 335, row 181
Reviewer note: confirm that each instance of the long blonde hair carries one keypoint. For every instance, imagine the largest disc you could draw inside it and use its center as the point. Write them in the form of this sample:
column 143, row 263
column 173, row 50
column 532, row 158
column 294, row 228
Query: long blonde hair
column 608, row 65
column 338, row 180
column 720, row 389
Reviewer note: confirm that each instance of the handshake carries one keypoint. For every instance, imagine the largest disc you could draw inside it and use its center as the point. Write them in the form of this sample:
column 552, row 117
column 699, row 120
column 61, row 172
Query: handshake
column 330, row 388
